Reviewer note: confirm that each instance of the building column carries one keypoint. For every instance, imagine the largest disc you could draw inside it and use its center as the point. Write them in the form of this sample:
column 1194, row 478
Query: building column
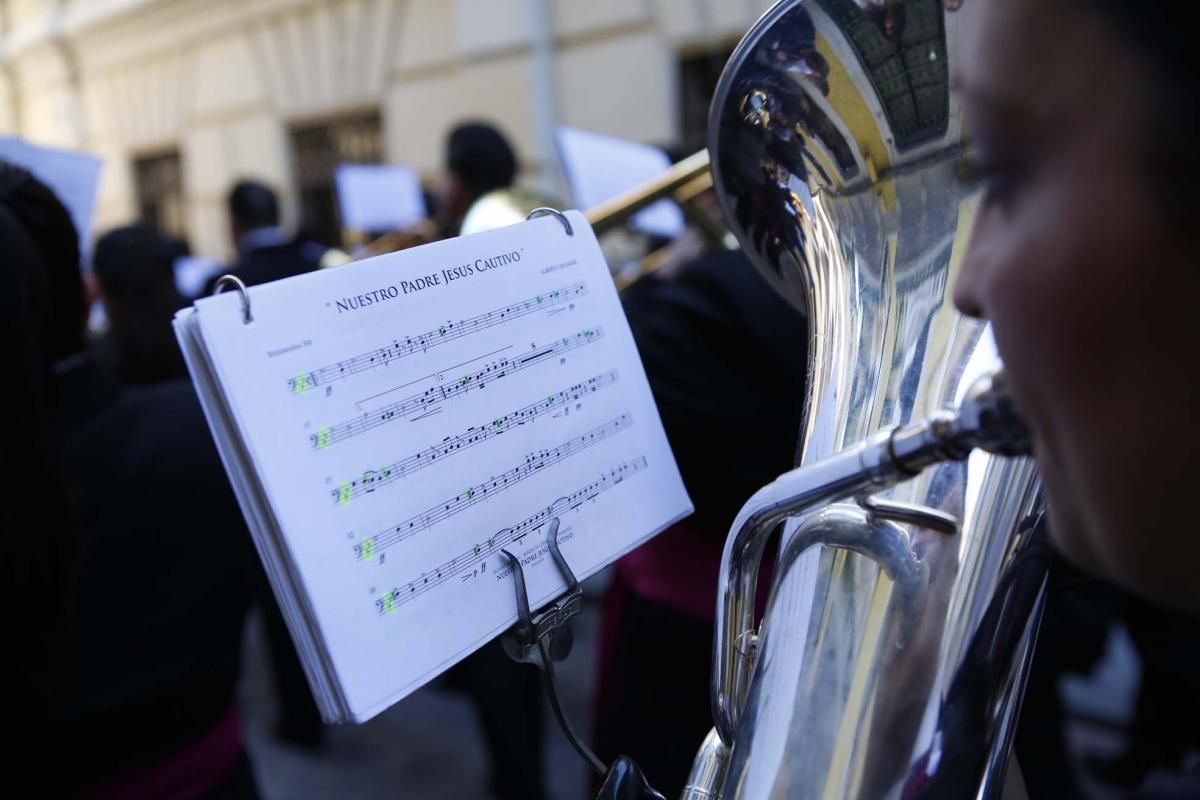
column 543, row 87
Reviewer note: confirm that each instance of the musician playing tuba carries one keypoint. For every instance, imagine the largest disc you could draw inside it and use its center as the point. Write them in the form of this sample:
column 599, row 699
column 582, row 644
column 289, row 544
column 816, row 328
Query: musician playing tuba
column 1076, row 120
column 1084, row 117
column 477, row 193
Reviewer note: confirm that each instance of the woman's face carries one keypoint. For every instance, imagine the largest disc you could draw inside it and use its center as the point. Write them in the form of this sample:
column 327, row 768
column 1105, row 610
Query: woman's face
column 1092, row 293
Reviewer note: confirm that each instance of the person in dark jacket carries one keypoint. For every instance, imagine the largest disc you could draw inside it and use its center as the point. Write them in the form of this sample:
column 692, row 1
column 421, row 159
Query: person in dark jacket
column 265, row 252
column 159, row 594
column 726, row 359
column 134, row 267
column 38, row 534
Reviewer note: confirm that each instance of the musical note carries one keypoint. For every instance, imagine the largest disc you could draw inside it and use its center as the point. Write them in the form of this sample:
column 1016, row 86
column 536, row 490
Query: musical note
column 301, row 383
column 376, row 479
column 465, row 562
column 365, row 550
column 421, row 402
column 533, row 463
column 401, row 347
column 387, row 603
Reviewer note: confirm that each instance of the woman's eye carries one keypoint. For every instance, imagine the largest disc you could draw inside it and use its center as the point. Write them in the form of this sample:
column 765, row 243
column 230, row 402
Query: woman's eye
column 994, row 177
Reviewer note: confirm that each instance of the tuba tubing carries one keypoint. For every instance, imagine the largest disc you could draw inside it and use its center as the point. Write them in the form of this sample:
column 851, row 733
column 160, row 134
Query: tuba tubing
column 986, row 419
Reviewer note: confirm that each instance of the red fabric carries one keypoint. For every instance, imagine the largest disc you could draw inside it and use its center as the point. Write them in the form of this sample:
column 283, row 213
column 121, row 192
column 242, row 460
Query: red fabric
column 189, row 773
column 677, row 568
column 606, row 650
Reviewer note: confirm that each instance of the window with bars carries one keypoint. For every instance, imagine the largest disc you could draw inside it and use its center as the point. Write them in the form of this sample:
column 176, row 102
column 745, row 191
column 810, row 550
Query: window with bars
column 317, row 149
column 698, row 75
column 158, row 184
column 903, row 50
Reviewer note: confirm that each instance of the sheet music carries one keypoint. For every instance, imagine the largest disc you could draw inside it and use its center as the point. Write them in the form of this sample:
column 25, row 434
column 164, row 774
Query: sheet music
column 379, row 197
column 410, row 416
column 601, row 167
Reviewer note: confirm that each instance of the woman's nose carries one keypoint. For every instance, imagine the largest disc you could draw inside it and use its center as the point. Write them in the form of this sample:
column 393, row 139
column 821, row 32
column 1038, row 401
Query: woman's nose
column 968, row 284
column 966, row 295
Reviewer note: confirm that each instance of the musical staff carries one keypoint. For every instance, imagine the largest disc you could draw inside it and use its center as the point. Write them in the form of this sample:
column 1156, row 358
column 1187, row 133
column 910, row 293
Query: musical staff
column 375, row 479
column 480, row 553
column 447, row 332
column 422, row 402
column 533, row 463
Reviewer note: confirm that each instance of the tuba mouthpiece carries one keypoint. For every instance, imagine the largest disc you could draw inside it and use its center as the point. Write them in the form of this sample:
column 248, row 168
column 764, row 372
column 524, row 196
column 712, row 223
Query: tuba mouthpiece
column 988, row 418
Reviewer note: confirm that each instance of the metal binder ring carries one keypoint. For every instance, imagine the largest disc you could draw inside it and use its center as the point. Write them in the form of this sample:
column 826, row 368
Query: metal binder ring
column 236, row 282
column 552, row 212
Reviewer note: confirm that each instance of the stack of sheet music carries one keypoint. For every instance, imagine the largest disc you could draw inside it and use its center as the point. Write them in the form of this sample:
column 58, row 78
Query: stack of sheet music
column 390, row 426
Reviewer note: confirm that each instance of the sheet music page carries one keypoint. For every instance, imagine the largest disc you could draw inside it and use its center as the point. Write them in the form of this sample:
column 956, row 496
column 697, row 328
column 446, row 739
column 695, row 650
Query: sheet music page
column 601, row 167
column 412, row 415
column 379, row 197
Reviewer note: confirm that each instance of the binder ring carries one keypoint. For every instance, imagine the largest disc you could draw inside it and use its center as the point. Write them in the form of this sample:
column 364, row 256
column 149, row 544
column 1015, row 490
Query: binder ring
column 552, row 212
column 232, row 280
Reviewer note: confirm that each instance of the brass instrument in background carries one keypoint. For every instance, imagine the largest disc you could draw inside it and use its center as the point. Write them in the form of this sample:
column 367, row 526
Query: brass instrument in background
column 688, row 183
column 685, row 183
column 421, row 233
column 891, row 658
column 501, row 208
column 495, row 209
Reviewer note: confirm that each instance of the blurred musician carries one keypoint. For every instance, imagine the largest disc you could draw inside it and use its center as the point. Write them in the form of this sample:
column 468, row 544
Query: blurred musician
column 478, row 194
column 479, row 161
column 146, row 703
column 134, row 267
column 265, row 252
column 38, row 531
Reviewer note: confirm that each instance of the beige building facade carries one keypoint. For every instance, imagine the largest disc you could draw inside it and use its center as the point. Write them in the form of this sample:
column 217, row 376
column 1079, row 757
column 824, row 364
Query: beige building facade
column 182, row 97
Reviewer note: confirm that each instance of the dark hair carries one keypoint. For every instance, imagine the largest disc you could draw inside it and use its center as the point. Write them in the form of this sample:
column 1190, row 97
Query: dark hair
column 253, row 205
column 1169, row 49
column 37, row 532
column 481, row 157
column 135, row 266
column 1156, row 31
column 47, row 224
column 134, row 258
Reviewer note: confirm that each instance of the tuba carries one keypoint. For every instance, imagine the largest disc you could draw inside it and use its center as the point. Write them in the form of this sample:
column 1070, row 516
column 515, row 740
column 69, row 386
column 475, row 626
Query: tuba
column 906, row 597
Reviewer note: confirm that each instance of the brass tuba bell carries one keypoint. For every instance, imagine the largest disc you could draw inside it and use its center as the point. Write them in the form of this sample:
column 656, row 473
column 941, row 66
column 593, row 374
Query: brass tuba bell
column 891, row 658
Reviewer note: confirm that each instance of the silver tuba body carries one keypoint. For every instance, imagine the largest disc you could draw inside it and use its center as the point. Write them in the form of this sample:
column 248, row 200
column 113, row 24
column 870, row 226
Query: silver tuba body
column 906, row 597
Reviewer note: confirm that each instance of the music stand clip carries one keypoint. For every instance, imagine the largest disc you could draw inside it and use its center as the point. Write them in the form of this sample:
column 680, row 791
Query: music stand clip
column 544, row 638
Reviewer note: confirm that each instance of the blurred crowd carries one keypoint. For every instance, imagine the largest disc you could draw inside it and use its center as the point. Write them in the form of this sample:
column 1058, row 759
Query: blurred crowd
column 136, row 543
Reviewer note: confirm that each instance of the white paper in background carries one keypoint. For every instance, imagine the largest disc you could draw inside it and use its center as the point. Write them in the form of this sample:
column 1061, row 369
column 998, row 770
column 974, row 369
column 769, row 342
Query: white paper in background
column 412, row 414
column 192, row 274
column 73, row 176
column 379, row 197
column 600, row 167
